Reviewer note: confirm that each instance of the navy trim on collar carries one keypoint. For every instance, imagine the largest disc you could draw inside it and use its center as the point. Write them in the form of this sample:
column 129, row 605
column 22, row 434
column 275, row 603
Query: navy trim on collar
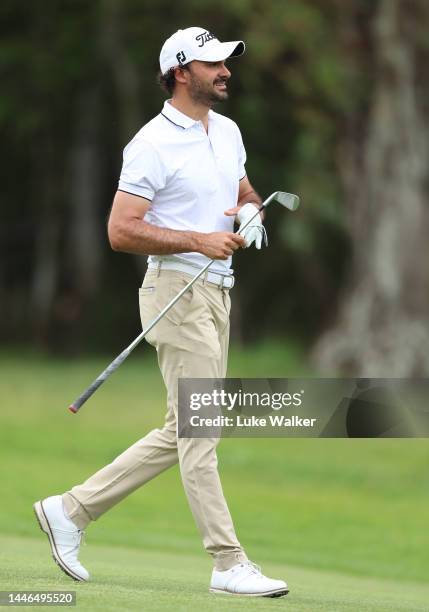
column 176, row 116
column 171, row 121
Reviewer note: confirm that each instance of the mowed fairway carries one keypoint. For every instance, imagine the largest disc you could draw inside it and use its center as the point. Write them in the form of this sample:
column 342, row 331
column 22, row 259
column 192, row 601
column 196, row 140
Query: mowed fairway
column 345, row 522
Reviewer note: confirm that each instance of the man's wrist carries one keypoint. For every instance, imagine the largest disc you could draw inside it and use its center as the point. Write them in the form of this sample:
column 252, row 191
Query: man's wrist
column 195, row 241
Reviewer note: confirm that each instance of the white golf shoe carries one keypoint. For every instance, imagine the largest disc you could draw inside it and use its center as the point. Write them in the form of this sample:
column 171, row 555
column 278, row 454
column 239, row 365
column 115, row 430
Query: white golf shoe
column 246, row 579
column 64, row 537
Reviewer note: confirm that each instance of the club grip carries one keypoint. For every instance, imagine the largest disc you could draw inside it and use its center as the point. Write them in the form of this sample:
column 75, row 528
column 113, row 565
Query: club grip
column 100, row 379
column 86, row 395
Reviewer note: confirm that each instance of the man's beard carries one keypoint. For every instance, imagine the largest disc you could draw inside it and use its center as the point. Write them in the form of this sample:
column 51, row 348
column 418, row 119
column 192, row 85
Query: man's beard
column 203, row 93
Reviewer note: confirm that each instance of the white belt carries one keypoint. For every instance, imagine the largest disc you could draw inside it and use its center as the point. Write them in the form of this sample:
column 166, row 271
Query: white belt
column 223, row 281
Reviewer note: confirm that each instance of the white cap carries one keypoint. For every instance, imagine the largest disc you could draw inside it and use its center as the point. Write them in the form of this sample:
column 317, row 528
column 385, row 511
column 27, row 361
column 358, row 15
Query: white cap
column 196, row 44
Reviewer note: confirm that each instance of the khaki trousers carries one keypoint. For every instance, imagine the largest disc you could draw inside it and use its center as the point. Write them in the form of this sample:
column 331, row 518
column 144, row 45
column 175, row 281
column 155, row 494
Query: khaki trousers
column 191, row 341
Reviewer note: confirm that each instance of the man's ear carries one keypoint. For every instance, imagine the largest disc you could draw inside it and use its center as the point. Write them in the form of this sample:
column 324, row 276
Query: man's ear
column 180, row 74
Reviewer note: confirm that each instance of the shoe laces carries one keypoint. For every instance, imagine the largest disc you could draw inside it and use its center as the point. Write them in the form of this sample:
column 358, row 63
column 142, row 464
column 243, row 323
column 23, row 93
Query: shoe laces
column 254, row 569
column 78, row 539
column 82, row 538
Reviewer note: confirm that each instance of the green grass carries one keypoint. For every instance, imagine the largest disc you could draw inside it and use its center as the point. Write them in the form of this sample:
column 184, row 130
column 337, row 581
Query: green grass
column 130, row 579
column 343, row 521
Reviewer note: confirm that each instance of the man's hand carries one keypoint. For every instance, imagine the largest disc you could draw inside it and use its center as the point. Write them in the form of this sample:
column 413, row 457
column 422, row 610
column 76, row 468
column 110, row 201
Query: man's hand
column 255, row 231
column 220, row 245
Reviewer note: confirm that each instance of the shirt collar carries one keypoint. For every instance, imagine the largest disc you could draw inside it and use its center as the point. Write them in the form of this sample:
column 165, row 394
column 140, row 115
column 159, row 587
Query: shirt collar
column 177, row 117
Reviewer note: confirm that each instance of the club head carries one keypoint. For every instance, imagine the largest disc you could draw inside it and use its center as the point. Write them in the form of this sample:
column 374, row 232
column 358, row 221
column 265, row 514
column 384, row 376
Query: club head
column 289, row 200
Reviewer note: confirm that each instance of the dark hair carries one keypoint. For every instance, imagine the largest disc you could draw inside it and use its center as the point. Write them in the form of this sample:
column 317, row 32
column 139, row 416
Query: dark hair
column 168, row 80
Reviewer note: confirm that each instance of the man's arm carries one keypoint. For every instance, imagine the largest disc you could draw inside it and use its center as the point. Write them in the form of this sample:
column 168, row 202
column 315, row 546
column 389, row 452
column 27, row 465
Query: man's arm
column 129, row 232
column 246, row 194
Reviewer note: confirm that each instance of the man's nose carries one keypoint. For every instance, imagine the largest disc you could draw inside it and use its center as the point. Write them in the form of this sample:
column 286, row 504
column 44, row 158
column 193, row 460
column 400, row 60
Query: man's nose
column 224, row 72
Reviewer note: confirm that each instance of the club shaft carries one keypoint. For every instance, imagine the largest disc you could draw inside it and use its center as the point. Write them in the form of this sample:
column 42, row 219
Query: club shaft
column 114, row 365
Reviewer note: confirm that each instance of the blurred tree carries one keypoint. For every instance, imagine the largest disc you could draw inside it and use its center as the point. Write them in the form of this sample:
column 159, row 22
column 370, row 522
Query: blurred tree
column 382, row 328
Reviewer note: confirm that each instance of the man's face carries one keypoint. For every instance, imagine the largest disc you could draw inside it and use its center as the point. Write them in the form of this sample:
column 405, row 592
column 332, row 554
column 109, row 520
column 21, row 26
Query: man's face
column 208, row 82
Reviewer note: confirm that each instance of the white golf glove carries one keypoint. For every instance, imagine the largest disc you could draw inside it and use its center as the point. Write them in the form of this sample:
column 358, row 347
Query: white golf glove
column 255, row 231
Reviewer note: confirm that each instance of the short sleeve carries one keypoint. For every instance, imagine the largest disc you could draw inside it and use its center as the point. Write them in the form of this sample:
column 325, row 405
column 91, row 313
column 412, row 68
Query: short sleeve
column 241, row 157
column 143, row 172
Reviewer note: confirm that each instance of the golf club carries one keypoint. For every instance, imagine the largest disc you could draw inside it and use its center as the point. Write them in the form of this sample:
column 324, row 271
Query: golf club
column 289, row 200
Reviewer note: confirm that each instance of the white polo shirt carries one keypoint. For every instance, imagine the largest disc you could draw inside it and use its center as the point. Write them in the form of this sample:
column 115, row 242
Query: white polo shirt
column 190, row 176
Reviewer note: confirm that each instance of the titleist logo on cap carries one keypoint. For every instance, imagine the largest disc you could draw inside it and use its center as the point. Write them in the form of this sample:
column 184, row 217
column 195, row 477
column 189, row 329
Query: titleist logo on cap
column 194, row 43
column 204, row 37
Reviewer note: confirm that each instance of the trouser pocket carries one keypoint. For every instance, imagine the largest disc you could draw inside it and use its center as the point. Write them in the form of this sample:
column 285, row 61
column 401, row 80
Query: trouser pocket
column 155, row 294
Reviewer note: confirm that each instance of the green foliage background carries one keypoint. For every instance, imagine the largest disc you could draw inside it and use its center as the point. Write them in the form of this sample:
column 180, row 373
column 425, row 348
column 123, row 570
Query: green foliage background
column 73, row 63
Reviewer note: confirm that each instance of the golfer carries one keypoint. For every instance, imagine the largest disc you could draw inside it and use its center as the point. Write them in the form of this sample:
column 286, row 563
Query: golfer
column 182, row 186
